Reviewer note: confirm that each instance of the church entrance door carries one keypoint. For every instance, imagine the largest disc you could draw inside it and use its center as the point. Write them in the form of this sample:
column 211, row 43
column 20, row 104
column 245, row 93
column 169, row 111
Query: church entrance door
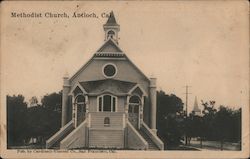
column 80, row 109
column 133, row 110
column 133, row 115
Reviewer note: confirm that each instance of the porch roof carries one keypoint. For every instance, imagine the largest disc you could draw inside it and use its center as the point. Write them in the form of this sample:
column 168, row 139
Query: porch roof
column 107, row 85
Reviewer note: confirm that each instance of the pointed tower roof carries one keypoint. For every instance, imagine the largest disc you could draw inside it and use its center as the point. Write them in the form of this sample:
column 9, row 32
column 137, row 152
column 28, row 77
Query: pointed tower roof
column 196, row 107
column 111, row 20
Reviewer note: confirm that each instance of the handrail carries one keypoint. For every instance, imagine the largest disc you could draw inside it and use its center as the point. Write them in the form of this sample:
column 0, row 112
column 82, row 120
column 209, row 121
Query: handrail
column 153, row 137
column 102, row 113
column 53, row 139
column 137, row 133
column 83, row 124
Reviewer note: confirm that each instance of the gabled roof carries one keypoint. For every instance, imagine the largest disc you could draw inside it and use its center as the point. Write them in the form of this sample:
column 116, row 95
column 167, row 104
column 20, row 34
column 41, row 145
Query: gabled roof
column 111, row 20
column 110, row 46
column 109, row 49
column 107, row 85
column 103, row 55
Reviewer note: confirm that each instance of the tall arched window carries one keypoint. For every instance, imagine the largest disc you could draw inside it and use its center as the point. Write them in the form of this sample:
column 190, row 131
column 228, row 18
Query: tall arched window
column 107, row 103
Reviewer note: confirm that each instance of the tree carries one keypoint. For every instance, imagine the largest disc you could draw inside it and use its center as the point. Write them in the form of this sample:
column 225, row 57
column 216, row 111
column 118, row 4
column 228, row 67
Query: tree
column 38, row 121
column 52, row 101
column 44, row 120
column 52, row 117
column 221, row 125
column 224, row 124
column 16, row 120
column 170, row 119
column 194, row 127
column 209, row 113
column 33, row 101
column 236, row 126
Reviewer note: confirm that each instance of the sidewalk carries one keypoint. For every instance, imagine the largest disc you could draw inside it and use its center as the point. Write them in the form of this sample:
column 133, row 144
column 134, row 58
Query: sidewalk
column 214, row 146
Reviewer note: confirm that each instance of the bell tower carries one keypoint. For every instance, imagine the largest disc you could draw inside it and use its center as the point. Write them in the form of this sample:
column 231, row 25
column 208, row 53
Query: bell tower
column 111, row 28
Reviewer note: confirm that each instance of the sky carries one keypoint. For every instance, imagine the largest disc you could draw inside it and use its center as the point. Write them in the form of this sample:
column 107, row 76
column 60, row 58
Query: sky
column 203, row 45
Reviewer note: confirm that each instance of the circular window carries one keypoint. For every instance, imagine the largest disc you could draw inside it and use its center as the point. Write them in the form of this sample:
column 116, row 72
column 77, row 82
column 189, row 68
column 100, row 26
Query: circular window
column 109, row 70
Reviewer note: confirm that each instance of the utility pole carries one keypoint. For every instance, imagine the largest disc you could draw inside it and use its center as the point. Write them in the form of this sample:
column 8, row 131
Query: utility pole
column 186, row 113
column 187, row 99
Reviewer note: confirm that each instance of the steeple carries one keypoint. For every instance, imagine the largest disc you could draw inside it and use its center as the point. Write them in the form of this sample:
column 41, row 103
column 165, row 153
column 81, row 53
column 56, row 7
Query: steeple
column 196, row 109
column 111, row 28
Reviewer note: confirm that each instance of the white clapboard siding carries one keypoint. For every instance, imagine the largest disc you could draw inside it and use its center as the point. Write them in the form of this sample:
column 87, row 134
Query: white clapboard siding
column 106, row 138
column 97, row 119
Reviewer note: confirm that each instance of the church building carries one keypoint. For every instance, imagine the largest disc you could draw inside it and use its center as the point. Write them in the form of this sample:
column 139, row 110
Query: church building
column 196, row 110
column 108, row 102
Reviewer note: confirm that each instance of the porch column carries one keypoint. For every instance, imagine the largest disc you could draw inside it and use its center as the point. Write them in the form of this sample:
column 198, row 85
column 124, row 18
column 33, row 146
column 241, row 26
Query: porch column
column 65, row 92
column 141, row 110
column 87, row 118
column 126, row 107
column 73, row 110
column 87, row 103
column 126, row 121
column 153, row 104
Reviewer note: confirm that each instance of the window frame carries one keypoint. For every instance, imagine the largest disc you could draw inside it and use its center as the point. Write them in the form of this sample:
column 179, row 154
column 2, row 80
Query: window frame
column 103, row 67
column 106, row 122
column 110, row 34
column 77, row 96
column 134, row 104
column 111, row 103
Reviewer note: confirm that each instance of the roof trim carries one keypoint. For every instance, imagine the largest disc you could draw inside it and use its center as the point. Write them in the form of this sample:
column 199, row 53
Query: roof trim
column 140, row 87
column 137, row 68
column 98, row 50
column 77, row 85
column 81, row 68
column 110, row 58
column 107, row 92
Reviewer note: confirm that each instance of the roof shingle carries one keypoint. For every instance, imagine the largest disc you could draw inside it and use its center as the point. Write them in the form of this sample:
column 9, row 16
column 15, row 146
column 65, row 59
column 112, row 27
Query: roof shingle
column 111, row 20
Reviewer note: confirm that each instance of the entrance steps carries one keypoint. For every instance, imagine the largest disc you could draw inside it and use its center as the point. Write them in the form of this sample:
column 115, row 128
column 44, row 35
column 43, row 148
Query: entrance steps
column 54, row 141
column 151, row 144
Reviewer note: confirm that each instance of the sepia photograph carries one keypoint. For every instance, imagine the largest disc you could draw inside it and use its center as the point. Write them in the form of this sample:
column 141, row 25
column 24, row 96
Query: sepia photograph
column 125, row 79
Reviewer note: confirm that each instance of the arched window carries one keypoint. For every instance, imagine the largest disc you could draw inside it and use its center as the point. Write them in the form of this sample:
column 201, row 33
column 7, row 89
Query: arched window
column 107, row 103
column 111, row 34
column 80, row 103
column 106, row 121
column 80, row 99
column 134, row 103
column 135, row 100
